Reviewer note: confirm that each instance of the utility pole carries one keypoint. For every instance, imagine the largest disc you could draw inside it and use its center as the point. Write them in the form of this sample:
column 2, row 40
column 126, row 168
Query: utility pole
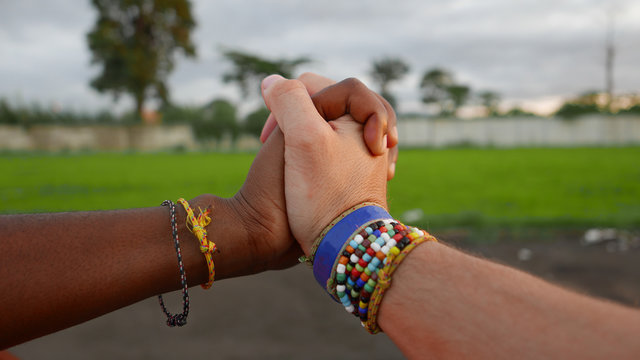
column 609, row 59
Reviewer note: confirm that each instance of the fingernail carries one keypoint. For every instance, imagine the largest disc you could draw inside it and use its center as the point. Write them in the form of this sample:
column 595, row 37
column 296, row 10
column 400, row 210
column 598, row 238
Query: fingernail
column 392, row 168
column 394, row 132
column 384, row 143
column 270, row 80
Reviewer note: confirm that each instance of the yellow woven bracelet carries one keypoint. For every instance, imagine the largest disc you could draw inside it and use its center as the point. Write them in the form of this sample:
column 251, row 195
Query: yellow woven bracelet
column 197, row 225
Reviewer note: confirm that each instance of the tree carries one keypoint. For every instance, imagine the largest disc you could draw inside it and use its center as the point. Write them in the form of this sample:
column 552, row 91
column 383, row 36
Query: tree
column 134, row 41
column 434, row 86
column 490, row 101
column 386, row 71
column 589, row 102
column 254, row 122
column 439, row 87
column 249, row 69
column 218, row 119
column 459, row 94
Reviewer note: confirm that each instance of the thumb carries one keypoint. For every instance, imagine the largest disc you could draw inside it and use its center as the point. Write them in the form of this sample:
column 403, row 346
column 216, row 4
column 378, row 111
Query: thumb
column 292, row 107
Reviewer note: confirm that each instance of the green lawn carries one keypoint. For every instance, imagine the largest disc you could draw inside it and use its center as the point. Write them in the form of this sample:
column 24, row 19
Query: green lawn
column 453, row 187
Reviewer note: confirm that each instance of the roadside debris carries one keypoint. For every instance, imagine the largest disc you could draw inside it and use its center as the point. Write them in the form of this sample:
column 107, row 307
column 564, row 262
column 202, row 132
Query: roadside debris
column 525, row 254
column 614, row 240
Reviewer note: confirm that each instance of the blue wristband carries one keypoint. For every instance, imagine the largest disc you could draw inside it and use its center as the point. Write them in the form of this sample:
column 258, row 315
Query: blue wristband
column 333, row 242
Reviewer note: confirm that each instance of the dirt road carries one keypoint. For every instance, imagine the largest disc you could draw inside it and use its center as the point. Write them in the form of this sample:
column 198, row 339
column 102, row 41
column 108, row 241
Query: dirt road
column 285, row 315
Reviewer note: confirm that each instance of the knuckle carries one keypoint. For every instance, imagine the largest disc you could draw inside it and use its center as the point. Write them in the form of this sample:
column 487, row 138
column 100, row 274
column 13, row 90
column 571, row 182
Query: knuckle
column 288, row 87
column 354, row 84
column 306, row 76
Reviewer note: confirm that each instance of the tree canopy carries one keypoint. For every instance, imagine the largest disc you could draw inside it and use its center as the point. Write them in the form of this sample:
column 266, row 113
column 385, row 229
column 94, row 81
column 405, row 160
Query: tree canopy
column 439, row 87
column 134, row 42
column 385, row 71
column 249, row 69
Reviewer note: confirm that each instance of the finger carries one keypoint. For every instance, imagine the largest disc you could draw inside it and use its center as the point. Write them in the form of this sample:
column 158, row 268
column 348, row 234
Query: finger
column 268, row 127
column 314, row 82
column 352, row 97
column 374, row 135
column 292, row 108
column 393, row 159
column 392, row 123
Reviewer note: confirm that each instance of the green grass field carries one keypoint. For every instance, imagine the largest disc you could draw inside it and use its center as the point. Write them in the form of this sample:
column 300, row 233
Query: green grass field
column 453, row 187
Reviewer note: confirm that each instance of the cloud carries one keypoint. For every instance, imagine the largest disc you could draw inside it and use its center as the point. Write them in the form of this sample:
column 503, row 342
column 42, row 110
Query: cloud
column 524, row 50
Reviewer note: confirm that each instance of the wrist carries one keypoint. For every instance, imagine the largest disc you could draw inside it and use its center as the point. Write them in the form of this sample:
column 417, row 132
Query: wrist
column 226, row 230
column 333, row 239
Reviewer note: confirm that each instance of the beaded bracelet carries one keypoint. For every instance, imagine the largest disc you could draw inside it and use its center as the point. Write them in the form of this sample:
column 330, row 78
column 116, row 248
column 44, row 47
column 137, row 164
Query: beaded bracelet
column 360, row 260
column 176, row 319
column 373, row 246
column 355, row 250
column 388, row 240
column 333, row 243
column 384, row 278
column 197, row 226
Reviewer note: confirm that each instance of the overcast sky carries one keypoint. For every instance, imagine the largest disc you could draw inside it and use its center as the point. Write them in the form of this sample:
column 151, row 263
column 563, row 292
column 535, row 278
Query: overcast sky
column 531, row 52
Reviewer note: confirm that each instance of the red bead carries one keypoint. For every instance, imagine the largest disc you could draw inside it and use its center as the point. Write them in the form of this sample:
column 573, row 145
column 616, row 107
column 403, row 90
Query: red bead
column 397, row 237
column 382, row 229
column 362, row 263
column 355, row 273
column 371, row 252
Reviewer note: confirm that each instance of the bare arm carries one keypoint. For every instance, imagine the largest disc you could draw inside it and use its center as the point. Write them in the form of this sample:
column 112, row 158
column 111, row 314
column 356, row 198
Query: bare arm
column 62, row 269
column 57, row 270
column 444, row 303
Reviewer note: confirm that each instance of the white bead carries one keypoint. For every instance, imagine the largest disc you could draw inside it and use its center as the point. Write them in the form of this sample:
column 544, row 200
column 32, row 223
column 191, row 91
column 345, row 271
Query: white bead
column 354, row 259
column 358, row 239
column 392, row 242
column 375, row 247
column 341, row 268
column 385, row 236
column 341, row 288
column 385, row 249
column 349, row 309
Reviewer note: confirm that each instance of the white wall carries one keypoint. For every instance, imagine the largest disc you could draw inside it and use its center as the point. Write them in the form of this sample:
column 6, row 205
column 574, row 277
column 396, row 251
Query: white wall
column 55, row 138
column 524, row 131
column 500, row 132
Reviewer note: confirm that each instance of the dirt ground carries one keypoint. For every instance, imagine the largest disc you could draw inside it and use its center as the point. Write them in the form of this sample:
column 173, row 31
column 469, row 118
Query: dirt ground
column 285, row 315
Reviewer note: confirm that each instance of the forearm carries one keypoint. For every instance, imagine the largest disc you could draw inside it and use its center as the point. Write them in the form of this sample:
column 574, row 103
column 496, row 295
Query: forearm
column 449, row 304
column 62, row 269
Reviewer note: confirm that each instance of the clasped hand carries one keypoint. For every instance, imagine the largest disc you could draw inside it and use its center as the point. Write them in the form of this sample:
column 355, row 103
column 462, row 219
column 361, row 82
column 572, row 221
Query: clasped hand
column 327, row 147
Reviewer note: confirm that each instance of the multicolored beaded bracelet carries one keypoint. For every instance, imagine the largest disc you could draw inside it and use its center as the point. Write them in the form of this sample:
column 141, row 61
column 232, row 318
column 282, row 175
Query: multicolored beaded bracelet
column 333, row 242
column 197, row 225
column 360, row 241
column 357, row 268
column 391, row 238
column 363, row 265
column 417, row 237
